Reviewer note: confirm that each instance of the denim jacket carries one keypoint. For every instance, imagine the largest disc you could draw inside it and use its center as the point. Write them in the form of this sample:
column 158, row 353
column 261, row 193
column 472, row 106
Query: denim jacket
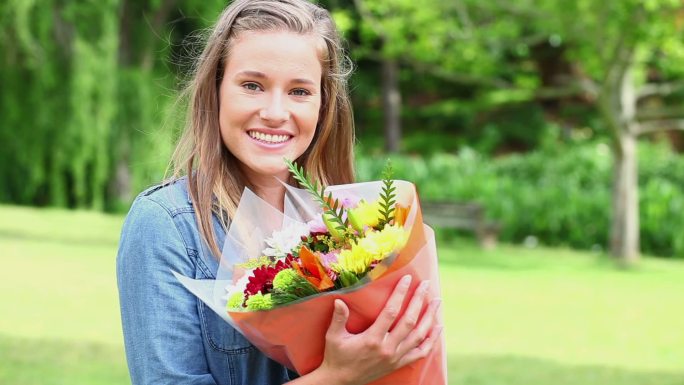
column 170, row 336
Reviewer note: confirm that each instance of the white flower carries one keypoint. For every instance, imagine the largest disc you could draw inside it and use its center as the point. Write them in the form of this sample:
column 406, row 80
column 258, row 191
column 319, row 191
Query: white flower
column 238, row 286
column 283, row 241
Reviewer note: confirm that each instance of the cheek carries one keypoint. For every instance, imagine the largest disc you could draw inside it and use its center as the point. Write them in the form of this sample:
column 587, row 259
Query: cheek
column 313, row 116
column 231, row 117
column 313, row 121
column 224, row 129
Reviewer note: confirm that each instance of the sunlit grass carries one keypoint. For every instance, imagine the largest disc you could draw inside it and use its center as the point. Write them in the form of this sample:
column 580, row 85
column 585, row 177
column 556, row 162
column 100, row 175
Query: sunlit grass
column 513, row 315
column 58, row 275
column 563, row 307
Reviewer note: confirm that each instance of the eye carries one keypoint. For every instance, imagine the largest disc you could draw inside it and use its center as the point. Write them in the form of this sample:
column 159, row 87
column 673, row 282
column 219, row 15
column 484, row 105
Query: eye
column 251, row 86
column 300, row 92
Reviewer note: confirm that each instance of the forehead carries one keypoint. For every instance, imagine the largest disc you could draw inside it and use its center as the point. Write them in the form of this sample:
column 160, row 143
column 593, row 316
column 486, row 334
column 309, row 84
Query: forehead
column 275, row 53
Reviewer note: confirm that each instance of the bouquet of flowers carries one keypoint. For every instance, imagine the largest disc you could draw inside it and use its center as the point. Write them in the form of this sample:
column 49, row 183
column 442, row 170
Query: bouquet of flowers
column 282, row 271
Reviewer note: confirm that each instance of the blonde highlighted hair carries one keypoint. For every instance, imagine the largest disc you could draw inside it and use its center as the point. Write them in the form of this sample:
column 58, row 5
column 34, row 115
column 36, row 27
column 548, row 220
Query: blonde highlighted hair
column 215, row 181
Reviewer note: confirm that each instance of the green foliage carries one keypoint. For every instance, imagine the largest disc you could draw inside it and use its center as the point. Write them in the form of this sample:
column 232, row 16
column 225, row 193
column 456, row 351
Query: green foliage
column 436, row 33
column 289, row 286
column 592, row 30
column 88, row 104
column 560, row 196
column 661, row 200
column 88, row 118
column 73, row 112
column 331, row 206
column 387, row 196
column 348, row 278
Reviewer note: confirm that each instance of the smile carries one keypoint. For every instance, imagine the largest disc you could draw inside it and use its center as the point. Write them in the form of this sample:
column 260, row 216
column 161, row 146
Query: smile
column 268, row 138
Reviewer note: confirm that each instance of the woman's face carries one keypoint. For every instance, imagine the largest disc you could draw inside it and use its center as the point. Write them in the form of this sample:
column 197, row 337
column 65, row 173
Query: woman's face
column 269, row 100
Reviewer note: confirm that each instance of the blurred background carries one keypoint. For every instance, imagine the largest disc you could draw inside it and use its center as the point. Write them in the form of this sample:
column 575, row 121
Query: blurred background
column 545, row 138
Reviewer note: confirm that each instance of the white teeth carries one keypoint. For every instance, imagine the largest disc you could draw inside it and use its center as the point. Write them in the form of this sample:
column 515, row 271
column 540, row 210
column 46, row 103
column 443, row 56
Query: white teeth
column 268, row 137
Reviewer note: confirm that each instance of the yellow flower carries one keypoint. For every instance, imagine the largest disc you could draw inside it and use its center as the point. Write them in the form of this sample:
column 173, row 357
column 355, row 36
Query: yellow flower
column 375, row 246
column 253, row 263
column 365, row 214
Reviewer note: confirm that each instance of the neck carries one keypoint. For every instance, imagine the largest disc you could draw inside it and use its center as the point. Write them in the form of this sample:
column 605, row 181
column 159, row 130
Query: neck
column 271, row 190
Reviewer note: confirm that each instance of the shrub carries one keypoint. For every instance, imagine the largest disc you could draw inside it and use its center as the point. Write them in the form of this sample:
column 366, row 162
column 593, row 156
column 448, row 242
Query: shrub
column 562, row 197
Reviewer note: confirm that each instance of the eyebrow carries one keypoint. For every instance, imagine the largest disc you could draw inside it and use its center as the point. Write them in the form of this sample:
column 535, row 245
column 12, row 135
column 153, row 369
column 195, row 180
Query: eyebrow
column 261, row 75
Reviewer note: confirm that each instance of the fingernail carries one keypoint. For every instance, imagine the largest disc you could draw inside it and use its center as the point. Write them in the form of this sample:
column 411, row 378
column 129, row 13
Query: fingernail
column 405, row 281
column 424, row 286
column 437, row 303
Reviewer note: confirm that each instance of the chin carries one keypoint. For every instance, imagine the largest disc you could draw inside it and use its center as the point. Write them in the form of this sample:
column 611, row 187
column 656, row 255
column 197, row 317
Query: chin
column 275, row 168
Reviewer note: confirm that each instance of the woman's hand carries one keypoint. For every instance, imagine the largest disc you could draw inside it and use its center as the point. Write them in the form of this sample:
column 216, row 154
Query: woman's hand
column 364, row 357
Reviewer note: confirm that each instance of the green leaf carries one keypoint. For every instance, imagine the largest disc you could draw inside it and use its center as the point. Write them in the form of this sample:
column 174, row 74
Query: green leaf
column 330, row 209
column 387, row 197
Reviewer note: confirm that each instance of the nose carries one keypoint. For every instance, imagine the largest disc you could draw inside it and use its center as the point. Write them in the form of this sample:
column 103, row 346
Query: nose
column 274, row 112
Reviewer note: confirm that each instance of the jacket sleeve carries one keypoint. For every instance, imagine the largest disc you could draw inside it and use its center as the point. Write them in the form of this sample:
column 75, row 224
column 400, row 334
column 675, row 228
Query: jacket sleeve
column 160, row 320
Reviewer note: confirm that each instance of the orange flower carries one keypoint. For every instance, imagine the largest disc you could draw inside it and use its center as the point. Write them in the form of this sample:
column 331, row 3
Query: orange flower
column 312, row 269
column 400, row 214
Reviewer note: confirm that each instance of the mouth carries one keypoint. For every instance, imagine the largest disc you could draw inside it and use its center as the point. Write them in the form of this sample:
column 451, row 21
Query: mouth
column 269, row 138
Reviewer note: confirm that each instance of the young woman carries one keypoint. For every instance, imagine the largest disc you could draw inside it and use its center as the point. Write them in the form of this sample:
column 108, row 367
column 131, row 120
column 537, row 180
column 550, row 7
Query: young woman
column 270, row 84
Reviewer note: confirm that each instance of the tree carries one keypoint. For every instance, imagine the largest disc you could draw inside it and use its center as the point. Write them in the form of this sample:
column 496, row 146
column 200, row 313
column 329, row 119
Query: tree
column 464, row 43
column 88, row 96
column 622, row 54
column 58, row 105
column 420, row 35
column 629, row 51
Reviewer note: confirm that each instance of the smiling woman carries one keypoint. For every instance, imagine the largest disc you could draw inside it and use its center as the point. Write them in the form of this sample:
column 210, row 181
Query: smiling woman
column 269, row 62
column 269, row 85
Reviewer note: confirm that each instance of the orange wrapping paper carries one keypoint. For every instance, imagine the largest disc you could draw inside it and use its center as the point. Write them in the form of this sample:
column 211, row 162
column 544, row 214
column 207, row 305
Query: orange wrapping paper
column 294, row 335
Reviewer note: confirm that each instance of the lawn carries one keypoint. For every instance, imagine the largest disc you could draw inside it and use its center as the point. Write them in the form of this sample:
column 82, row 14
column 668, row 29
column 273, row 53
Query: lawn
column 513, row 315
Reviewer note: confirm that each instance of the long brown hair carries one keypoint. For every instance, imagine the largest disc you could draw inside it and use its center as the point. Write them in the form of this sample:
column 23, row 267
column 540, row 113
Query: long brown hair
column 215, row 181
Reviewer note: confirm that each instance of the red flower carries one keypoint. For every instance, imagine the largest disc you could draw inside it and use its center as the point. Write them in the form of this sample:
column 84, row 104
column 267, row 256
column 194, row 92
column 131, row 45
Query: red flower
column 261, row 279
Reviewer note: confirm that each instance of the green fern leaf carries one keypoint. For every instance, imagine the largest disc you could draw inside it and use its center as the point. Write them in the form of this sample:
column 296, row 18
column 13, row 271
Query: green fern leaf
column 329, row 204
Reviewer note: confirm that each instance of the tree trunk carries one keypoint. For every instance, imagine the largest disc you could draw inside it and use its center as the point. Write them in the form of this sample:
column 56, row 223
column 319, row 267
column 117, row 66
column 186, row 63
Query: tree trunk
column 624, row 234
column 391, row 100
column 120, row 187
column 132, row 54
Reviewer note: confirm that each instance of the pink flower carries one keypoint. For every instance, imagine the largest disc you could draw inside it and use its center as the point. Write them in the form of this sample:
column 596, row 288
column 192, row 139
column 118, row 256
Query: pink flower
column 328, row 259
column 316, row 225
column 348, row 202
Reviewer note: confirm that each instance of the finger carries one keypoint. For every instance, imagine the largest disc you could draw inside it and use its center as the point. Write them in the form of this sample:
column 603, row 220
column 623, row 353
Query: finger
column 409, row 320
column 391, row 310
column 338, row 324
column 420, row 332
column 424, row 349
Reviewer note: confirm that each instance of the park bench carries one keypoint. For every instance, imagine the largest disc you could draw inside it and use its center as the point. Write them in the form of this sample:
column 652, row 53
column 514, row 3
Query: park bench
column 462, row 215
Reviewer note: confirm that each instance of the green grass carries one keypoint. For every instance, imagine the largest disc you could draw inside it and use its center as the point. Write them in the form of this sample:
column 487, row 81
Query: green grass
column 60, row 322
column 553, row 316
column 512, row 315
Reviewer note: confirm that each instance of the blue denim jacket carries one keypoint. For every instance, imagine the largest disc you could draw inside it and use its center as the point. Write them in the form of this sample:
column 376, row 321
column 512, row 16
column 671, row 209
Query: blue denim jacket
column 170, row 336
